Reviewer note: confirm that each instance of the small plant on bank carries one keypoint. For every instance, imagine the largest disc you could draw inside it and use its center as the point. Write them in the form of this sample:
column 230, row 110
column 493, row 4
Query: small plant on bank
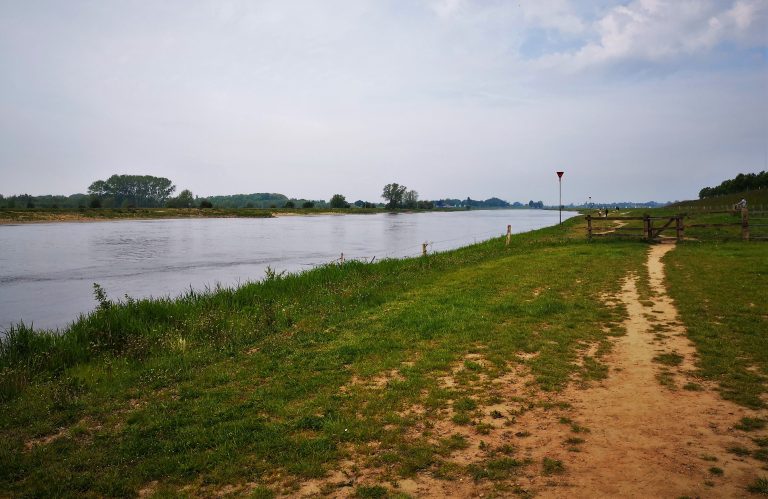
column 101, row 297
column 750, row 424
column 669, row 359
column 759, row 486
column 465, row 404
column 371, row 492
column 739, row 450
column 552, row 466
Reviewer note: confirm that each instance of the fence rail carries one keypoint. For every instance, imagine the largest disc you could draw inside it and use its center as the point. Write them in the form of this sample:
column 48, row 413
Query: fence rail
column 674, row 226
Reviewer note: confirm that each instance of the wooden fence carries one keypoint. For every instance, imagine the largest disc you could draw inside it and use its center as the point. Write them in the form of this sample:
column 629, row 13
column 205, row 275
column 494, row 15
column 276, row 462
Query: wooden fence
column 653, row 228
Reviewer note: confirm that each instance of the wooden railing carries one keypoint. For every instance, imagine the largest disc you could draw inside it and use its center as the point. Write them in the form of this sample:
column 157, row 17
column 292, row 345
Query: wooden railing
column 652, row 228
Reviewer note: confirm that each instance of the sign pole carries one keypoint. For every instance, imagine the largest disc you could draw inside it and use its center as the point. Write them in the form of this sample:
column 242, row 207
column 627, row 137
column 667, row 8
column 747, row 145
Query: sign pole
column 560, row 185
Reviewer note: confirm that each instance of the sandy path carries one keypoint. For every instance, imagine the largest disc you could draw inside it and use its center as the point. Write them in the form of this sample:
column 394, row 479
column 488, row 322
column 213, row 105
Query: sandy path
column 649, row 440
column 641, row 434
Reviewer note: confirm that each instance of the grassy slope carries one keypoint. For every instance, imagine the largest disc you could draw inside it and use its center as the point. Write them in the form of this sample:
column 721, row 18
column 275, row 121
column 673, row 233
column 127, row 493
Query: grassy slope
column 721, row 290
column 755, row 199
column 240, row 385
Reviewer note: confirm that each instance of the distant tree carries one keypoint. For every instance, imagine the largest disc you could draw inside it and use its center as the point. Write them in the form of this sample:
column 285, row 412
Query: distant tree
column 134, row 190
column 95, row 202
column 338, row 201
column 364, row 204
column 410, row 199
column 185, row 199
column 206, row 204
column 290, row 204
column 425, row 205
column 254, row 200
column 308, row 204
column 393, row 194
column 742, row 182
column 495, row 203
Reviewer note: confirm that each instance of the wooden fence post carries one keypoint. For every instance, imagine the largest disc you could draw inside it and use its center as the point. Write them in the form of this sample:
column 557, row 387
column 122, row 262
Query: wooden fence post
column 745, row 224
column 423, row 249
column 341, row 260
column 509, row 234
column 589, row 227
column 679, row 228
column 647, row 227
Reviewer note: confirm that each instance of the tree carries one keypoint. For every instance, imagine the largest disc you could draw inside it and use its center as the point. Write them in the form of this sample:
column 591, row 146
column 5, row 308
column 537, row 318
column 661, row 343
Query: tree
column 206, row 204
column 425, row 205
column 393, row 193
column 290, row 204
column 185, row 199
column 410, row 199
column 339, row 201
column 134, row 190
column 308, row 204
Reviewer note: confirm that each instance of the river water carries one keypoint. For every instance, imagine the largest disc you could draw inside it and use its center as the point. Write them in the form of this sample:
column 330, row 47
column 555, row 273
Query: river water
column 47, row 270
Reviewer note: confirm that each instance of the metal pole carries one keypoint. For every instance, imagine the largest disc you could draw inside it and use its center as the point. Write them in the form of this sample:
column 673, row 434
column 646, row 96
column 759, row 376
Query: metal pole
column 560, row 206
column 560, row 185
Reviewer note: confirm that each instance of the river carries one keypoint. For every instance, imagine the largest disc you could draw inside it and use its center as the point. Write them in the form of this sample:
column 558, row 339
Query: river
column 47, row 270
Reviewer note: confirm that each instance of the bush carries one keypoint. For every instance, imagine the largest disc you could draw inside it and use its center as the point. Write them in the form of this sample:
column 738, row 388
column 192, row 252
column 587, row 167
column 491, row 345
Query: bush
column 206, row 204
column 339, row 201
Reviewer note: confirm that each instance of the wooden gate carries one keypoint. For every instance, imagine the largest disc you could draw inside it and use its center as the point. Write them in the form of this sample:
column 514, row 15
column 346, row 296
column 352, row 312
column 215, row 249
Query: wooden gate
column 673, row 227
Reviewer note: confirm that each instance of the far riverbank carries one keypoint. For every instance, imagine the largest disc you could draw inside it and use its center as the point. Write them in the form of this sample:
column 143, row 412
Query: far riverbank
column 39, row 215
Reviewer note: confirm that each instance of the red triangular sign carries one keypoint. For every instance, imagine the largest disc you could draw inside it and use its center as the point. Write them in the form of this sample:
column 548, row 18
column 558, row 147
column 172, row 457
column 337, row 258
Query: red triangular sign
column 560, row 174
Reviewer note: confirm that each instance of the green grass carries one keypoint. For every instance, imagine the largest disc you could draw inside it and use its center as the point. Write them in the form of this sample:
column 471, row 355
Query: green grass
column 759, row 486
column 236, row 386
column 719, row 289
column 552, row 466
column 755, row 199
column 669, row 359
column 750, row 424
column 714, row 470
column 497, row 469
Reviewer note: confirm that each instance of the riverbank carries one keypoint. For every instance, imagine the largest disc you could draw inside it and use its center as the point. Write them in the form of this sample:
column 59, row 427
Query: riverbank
column 10, row 216
column 32, row 215
column 451, row 374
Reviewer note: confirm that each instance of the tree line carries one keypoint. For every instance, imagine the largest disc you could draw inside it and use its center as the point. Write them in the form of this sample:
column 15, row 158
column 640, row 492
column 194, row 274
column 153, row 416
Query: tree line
column 741, row 183
column 147, row 191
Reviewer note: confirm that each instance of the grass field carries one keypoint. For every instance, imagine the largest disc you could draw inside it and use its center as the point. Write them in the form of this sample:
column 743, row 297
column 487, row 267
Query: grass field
column 757, row 200
column 720, row 290
column 279, row 381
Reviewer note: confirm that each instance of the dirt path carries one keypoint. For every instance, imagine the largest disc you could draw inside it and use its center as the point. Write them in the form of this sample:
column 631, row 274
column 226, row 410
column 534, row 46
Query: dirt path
column 650, row 429
column 649, row 437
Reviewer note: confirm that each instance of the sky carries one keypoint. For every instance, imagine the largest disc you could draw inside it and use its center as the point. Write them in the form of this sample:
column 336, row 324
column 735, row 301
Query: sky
column 634, row 100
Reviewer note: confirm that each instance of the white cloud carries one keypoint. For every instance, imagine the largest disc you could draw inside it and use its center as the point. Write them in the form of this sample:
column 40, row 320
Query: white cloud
column 661, row 31
column 554, row 14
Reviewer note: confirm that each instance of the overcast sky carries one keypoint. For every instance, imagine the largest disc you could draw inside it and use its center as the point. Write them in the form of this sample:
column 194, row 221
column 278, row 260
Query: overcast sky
column 634, row 100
